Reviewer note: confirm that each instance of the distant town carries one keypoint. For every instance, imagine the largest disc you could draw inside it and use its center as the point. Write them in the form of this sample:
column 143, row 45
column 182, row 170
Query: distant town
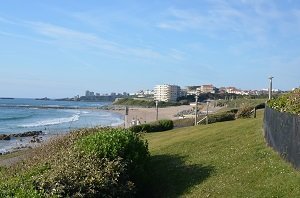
column 170, row 93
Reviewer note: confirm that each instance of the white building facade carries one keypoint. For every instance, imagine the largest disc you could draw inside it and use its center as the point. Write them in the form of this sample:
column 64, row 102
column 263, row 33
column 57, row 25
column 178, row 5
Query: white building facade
column 166, row 93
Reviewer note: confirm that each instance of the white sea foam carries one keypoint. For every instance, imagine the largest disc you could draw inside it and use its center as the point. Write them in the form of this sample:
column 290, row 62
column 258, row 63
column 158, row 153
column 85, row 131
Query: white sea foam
column 117, row 123
column 53, row 121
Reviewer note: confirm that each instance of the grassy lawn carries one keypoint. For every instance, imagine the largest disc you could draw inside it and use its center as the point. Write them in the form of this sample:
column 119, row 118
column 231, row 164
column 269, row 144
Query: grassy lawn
column 228, row 159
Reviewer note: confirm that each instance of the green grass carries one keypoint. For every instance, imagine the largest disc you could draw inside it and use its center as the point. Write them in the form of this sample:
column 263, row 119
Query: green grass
column 228, row 159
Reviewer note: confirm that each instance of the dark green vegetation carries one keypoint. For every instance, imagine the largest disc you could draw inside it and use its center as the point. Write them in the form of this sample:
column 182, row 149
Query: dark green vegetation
column 86, row 163
column 241, row 102
column 225, row 159
column 212, row 118
column 289, row 102
column 185, row 122
column 221, row 117
column 143, row 103
column 161, row 125
column 222, row 97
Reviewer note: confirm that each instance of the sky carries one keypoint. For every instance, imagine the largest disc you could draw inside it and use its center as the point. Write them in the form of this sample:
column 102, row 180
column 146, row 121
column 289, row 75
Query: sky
column 60, row 48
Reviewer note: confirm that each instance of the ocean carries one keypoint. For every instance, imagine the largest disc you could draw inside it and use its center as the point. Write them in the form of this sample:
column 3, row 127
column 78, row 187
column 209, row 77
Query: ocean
column 51, row 117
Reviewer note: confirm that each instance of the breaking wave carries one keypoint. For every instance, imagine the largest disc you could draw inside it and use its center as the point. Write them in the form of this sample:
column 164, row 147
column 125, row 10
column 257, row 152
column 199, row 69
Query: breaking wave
column 53, row 121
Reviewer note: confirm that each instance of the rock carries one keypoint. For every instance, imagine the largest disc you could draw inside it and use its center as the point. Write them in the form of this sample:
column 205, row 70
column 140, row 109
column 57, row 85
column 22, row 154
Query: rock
column 4, row 137
column 26, row 134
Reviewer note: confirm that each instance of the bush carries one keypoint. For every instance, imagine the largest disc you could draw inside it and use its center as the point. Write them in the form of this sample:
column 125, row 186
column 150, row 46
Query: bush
column 102, row 163
column 245, row 112
column 140, row 128
column 261, row 106
column 233, row 111
column 220, row 117
column 166, row 124
column 287, row 103
column 161, row 125
column 115, row 143
column 79, row 175
column 119, row 143
column 184, row 122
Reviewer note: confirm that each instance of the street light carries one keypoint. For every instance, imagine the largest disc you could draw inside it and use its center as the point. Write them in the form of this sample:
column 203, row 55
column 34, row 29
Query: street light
column 126, row 117
column 270, row 89
column 207, row 103
column 156, row 105
column 196, row 109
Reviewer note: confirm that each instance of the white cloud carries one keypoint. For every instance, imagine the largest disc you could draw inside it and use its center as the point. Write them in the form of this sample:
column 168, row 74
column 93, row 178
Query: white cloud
column 66, row 37
column 258, row 22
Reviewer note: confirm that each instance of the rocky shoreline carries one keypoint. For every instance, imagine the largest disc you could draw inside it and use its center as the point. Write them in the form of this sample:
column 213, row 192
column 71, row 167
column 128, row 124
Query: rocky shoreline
column 25, row 134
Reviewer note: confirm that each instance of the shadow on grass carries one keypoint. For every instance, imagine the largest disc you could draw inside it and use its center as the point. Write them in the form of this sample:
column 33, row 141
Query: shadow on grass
column 170, row 176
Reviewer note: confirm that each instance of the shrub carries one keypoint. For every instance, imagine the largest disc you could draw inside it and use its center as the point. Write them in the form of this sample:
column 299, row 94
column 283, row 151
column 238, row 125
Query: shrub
column 287, row 103
column 220, row 117
column 119, row 143
column 140, row 128
column 79, row 175
column 233, row 111
column 115, row 143
column 245, row 112
column 184, row 122
column 161, row 125
column 166, row 124
column 95, row 163
column 260, row 106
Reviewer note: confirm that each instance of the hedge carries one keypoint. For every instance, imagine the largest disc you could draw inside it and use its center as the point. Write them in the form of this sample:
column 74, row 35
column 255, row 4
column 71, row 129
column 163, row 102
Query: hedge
column 220, row 117
column 161, row 125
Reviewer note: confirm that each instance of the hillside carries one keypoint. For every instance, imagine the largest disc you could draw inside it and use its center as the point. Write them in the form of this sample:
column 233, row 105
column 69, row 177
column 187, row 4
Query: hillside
column 228, row 159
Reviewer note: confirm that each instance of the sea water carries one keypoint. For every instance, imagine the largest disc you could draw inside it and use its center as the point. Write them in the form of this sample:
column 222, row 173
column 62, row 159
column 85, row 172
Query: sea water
column 51, row 117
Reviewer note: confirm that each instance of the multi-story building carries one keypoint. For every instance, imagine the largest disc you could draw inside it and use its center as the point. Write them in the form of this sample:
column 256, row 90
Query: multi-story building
column 89, row 93
column 207, row 89
column 166, row 93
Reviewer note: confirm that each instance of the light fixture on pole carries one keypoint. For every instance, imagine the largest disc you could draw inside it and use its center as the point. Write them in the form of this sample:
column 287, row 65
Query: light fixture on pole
column 156, row 105
column 126, row 117
column 207, row 103
column 270, row 88
column 196, row 109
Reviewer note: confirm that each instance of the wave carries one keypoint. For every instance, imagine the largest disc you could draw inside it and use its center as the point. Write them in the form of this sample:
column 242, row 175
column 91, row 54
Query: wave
column 53, row 121
column 15, row 118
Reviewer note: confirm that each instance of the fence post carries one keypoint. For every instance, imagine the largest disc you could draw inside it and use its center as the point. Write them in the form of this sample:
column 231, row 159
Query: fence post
column 254, row 112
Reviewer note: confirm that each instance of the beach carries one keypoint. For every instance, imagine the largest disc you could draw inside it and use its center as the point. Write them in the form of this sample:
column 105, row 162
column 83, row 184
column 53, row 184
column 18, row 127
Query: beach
column 146, row 115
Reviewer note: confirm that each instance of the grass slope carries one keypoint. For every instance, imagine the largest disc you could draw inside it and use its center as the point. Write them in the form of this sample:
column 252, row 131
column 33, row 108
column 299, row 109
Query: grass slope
column 228, row 159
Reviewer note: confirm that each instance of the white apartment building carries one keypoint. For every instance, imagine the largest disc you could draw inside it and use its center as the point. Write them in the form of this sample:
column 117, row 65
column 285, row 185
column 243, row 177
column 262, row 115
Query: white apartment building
column 166, row 93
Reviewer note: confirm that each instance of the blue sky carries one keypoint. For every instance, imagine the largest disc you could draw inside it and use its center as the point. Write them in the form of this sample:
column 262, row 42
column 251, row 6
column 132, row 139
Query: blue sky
column 60, row 48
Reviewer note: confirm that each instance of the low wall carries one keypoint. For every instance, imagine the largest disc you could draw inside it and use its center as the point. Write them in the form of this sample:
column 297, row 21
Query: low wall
column 282, row 132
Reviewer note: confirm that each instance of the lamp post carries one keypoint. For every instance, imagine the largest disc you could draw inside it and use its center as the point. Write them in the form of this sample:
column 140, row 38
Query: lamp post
column 156, row 105
column 196, row 109
column 270, row 88
column 126, row 117
column 207, row 103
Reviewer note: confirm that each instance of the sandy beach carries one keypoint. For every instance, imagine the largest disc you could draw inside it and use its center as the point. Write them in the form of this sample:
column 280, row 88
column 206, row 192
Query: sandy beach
column 146, row 115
